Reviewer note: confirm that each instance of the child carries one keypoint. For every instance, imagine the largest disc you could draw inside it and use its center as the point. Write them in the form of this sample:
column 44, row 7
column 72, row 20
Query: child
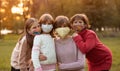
column 98, row 55
column 68, row 56
column 44, row 43
column 21, row 54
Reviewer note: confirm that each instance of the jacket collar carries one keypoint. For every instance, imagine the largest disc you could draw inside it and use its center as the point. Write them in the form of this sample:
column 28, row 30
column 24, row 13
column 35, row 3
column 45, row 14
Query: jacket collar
column 82, row 32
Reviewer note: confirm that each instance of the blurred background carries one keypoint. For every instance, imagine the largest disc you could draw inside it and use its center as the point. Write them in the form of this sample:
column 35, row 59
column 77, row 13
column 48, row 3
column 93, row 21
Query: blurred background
column 104, row 16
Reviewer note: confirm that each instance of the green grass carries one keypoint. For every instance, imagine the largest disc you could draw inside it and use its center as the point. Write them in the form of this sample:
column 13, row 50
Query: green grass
column 6, row 46
column 8, row 43
column 114, row 45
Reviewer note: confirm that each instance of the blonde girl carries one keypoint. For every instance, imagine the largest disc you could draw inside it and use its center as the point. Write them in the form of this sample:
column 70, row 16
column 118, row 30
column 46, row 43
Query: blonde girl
column 21, row 55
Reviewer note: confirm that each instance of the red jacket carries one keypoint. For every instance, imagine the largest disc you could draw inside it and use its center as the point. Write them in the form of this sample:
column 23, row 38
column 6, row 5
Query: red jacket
column 98, row 55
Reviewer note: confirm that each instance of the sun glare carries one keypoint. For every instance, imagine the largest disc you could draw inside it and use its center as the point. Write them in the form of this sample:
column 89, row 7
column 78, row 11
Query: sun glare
column 17, row 10
column 5, row 31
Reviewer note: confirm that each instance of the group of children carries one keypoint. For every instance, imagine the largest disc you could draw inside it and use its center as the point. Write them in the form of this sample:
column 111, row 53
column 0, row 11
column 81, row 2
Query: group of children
column 47, row 45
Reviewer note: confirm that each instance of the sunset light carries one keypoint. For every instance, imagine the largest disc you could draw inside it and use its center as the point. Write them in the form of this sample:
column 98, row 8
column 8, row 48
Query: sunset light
column 17, row 10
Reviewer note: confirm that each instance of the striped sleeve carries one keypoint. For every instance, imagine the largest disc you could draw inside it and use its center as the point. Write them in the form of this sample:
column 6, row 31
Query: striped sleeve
column 36, row 52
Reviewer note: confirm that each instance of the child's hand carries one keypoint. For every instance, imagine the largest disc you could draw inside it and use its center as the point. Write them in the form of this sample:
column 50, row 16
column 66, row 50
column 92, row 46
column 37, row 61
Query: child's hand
column 74, row 34
column 42, row 57
column 39, row 69
column 58, row 63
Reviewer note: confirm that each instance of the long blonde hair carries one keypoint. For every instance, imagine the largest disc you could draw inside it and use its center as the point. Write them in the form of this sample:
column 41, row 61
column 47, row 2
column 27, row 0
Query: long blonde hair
column 29, row 22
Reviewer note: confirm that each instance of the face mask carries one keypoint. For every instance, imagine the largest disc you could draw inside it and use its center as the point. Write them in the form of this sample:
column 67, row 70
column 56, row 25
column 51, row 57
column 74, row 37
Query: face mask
column 36, row 33
column 62, row 32
column 46, row 28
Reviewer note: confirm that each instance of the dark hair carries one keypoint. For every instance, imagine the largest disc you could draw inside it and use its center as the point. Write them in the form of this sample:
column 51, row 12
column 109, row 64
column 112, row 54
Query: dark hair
column 61, row 20
column 29, row 22
column 82, row 17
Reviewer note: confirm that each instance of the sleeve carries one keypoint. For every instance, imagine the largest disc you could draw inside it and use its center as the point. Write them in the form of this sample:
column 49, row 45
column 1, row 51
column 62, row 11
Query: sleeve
column 79, row 64
column 36, row 53
column 22, row 55
column 87, row 45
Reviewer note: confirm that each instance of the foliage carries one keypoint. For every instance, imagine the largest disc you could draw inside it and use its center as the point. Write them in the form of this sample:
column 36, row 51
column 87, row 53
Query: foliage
column 102, row 13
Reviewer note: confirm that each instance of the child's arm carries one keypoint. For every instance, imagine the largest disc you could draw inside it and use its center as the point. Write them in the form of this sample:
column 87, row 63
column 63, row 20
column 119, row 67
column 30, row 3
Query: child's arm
column 79, row 64
column 36, row 53
column 88, row 44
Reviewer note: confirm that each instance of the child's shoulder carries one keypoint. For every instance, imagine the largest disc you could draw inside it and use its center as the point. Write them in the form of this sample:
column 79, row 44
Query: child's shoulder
column 37, row 37
column 40, row 35
column 91, row 31
column 23, row 38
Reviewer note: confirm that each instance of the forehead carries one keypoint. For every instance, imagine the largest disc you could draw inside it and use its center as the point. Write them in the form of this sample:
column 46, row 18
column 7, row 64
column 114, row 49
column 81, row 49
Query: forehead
column 35, row 24
column 76, row 20
column 48, row 21
column 63, row 24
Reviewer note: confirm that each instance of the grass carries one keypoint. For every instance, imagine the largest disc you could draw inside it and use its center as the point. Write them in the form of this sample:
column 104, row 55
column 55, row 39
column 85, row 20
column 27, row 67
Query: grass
column 114, row 45
column 6, row 46
column 8, row 43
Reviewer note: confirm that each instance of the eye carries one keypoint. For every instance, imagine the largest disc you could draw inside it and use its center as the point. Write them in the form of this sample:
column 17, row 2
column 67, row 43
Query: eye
column 80, row 21
column 34, row 27
column 76, row 22
column 38, row 26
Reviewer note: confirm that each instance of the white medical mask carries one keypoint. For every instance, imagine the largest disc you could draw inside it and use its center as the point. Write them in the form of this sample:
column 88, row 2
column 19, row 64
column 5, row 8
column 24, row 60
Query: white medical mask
column 46, row 27
column 62, row 32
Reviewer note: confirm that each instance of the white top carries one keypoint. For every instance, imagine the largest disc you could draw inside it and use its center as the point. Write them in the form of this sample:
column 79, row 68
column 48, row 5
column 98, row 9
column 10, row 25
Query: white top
column 43, row 43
